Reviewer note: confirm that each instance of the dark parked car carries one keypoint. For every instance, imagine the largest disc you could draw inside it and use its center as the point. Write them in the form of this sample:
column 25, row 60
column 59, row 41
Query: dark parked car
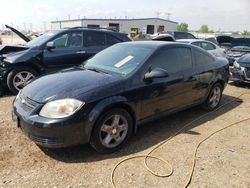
column 103, row 101
column 171, row 36
column 240, row 72
column 50, row 52
column 181, row 35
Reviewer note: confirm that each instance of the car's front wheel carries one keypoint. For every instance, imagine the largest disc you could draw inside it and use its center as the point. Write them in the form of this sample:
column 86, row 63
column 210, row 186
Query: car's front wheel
column 214, row 97
column 19, row 78
column 112, row 130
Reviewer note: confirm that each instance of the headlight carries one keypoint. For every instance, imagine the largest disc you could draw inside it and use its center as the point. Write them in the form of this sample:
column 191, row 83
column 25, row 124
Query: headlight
column 236, row 65
column 61, row 108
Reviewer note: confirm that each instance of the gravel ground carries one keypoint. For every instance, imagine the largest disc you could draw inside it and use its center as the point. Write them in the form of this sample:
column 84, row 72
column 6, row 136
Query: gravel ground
column 222, row 161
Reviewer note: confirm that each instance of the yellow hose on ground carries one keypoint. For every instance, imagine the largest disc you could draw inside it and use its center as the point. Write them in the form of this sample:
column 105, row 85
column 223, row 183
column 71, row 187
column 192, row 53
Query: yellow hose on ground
column 171, row 137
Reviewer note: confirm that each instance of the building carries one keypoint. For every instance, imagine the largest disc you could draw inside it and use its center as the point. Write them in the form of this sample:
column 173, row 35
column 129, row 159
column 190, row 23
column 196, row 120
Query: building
column 143, row 25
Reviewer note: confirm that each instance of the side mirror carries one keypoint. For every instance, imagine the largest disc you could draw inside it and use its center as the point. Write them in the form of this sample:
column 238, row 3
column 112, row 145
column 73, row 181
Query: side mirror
column 156, row 73
column 50, row 45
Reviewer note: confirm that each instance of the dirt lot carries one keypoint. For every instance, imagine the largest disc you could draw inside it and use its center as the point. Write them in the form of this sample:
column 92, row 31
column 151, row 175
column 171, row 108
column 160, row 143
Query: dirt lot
column 223, row 161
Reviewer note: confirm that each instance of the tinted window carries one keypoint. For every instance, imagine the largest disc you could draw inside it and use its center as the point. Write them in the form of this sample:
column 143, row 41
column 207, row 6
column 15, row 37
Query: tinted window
column 207, row 46
column 111, row 40
column 173, row 60
column 180, row 35
column 201, row 58
column 94, row 38
column 69, row 40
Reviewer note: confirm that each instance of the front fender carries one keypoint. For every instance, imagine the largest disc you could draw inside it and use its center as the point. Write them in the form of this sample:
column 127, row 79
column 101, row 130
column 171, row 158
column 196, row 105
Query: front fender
column 106, row 104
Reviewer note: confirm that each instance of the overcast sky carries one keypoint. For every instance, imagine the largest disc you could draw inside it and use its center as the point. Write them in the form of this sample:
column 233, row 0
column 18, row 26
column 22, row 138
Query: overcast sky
column 224, row 15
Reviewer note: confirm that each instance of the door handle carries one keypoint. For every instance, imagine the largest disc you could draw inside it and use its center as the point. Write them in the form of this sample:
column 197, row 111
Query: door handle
column 81, row 52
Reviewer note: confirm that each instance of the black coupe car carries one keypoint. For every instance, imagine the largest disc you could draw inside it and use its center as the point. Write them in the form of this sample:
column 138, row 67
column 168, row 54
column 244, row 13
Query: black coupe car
column 104, row 100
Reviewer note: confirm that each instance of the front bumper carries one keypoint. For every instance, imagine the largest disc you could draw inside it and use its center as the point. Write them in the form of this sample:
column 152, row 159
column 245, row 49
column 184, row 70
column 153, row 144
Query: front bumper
column 51, row 133
column 239, row 75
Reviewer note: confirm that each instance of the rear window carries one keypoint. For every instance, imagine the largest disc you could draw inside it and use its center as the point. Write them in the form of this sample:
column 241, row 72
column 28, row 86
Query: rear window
column 180, row 35
column 241, row 42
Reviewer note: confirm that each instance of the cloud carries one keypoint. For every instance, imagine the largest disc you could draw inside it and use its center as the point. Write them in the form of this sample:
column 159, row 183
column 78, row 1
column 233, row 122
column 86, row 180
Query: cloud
column 223, row 14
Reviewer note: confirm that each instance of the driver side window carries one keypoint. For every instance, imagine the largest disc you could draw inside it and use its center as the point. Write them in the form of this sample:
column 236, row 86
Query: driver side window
column 173, row 60
column 69, row 40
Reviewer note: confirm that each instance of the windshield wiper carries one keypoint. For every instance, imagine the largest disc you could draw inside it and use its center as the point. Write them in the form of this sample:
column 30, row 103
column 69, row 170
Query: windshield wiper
column 96, row 70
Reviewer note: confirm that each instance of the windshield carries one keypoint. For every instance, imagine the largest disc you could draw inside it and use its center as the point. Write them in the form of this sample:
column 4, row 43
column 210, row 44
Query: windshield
column 120, row 59
column 41, row 39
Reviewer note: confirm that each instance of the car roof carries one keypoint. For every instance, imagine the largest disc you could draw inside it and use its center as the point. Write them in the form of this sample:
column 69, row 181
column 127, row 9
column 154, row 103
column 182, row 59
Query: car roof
column 192, row 40
column 89, row 29
column 154, row 44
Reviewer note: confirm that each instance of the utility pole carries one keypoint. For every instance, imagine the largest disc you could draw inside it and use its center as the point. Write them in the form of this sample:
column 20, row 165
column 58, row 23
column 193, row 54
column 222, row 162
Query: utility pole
column 167, row 14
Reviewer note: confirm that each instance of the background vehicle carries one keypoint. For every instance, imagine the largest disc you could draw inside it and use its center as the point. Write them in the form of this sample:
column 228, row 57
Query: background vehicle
column 240, row 72
column 52, row 51
column 125, row 85
column 235, row 47
column 171, row 36
column 181, row 35
column 206, row 45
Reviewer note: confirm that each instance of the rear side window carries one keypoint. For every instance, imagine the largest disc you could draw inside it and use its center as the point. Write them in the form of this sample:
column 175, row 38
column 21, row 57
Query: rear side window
column 207, row 46
column 94, row 38
column 202, row 58
column 111, row 40
column 173, row 60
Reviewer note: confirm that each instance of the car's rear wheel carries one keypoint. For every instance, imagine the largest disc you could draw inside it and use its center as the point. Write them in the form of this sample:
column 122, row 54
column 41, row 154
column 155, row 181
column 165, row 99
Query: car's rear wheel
column 19, row 78
column 213, row 100
column 112, row 130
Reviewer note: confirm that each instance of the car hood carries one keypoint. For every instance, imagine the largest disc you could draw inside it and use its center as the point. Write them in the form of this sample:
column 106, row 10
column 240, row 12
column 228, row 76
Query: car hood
column 244, row 61
column 69, row 83
column 22, row 36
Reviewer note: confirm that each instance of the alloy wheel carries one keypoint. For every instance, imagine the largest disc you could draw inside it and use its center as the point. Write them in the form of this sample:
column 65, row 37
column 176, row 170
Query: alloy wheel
column 21, row 79
column 215, row 97
column 113, row 131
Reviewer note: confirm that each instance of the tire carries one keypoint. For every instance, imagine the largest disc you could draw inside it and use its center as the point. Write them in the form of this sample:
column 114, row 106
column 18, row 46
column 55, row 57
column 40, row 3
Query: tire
column 26, row 73
column 110, row 133
column 213, row 100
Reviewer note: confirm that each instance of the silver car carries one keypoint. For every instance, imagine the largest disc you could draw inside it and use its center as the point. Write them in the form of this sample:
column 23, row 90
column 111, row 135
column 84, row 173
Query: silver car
column 206, row 45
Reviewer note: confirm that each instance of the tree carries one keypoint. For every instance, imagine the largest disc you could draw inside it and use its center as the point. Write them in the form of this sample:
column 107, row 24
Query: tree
column 245, row 32
column 182, row 27
column 204, row 29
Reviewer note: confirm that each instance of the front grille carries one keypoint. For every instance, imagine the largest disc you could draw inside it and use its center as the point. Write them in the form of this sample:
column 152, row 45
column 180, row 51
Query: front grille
column 27, row 104
column 45, row 140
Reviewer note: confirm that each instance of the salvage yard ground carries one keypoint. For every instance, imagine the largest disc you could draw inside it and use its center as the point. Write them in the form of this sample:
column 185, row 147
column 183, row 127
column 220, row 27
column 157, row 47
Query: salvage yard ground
column 222, row 161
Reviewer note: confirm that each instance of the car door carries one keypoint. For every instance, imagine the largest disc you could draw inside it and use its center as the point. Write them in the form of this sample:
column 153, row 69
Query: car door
column 67, row 51
column 175, row 91
column 205, row 68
